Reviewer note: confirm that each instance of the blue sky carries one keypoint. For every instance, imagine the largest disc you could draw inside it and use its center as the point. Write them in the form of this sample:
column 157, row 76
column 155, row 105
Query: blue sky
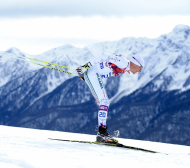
column 35, row 26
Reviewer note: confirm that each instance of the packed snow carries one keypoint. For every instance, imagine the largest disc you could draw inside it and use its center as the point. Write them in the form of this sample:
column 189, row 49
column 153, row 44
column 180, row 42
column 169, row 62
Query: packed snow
column 30, row 148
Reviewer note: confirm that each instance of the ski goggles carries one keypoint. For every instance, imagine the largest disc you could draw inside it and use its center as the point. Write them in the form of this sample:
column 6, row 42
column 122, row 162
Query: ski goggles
column 139, row 63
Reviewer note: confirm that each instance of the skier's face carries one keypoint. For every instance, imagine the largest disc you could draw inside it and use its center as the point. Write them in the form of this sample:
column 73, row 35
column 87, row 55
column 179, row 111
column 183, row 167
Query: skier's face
column 134, row 68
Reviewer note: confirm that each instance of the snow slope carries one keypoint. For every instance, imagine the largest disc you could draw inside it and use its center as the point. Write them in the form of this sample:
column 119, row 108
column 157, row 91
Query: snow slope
column 29, row 148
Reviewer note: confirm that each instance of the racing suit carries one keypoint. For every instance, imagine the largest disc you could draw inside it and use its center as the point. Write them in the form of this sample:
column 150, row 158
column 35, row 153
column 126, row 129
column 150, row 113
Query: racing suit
column 103, row 67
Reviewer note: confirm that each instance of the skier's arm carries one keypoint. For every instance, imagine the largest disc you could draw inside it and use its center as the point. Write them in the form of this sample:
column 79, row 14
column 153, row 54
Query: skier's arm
column 85, row 67
column 120, row 61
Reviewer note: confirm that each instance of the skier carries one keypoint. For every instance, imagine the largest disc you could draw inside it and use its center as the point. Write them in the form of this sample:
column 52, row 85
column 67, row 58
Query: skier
column 103, row 67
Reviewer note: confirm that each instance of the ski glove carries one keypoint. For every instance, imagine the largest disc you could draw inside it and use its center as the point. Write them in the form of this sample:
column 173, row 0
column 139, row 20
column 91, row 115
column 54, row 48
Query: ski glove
column 84, row 68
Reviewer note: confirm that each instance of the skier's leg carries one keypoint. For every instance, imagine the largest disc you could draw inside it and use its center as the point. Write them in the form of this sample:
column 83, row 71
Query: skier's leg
column 97, row 88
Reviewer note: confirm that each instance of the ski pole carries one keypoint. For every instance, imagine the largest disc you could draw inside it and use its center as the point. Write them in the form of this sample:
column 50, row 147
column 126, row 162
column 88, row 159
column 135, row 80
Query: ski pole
column 48, row 63
column 32, row 59
column 53, row 68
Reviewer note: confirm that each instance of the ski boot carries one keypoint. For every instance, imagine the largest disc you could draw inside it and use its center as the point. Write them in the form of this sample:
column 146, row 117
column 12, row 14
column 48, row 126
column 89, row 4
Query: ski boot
column 104, row 137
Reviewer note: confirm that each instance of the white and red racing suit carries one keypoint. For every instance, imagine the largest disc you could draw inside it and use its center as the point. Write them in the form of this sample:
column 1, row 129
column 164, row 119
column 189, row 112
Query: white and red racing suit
column 103, row 67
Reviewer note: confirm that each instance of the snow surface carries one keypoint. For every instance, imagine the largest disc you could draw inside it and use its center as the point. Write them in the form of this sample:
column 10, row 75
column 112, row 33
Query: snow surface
column 30, row 148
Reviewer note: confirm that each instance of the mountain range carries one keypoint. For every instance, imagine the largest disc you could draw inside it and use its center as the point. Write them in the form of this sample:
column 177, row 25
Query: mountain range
column 152, row 105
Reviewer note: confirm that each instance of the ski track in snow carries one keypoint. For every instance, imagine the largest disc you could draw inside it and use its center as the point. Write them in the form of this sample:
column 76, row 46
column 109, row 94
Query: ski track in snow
column 30, row 148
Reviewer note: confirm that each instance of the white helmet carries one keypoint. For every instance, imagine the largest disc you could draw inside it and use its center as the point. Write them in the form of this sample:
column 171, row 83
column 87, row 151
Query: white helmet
column 138, row 60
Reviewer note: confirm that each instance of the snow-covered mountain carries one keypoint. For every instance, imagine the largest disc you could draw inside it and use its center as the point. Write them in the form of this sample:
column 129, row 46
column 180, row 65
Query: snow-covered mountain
column 29, row 148
column 153, row 105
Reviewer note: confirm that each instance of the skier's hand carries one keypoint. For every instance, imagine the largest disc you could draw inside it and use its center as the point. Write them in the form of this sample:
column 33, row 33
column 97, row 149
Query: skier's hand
column 84, row 68
column 81, row 70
